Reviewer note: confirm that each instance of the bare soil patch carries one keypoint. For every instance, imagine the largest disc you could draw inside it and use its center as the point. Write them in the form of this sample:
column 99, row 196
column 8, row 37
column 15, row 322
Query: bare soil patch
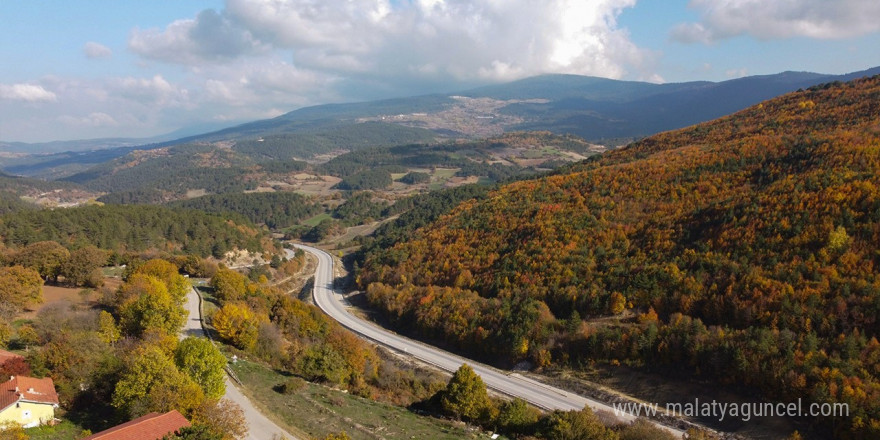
column 54, row 295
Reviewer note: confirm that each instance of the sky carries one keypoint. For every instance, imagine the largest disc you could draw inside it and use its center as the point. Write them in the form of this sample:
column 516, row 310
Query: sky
column 85, row 69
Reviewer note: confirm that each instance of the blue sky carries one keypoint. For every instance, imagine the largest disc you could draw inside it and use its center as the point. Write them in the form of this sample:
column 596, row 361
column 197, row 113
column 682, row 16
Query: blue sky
column 93, row 69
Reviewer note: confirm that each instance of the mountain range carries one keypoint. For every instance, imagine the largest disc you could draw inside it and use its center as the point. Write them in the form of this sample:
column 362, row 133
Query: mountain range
column 590, row 107
column 605, row 111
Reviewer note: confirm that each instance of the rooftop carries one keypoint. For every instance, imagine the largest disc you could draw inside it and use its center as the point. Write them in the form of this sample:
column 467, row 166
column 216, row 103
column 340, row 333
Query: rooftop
column 153, row 426
column 30, row 389
column 5, row 356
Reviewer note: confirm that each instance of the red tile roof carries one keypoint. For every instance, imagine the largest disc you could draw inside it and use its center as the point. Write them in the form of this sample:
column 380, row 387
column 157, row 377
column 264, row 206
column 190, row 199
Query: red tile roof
column 5, row 356
column 152, row 426
column 29, row 389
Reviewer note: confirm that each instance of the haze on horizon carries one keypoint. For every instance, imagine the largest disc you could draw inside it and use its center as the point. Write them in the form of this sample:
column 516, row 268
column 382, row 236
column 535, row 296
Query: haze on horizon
column 80, row 70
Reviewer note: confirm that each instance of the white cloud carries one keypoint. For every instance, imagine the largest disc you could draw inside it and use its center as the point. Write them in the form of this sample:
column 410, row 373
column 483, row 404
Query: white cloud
column 736, row 73
column 418, row 41
column 96, row 50
column 245, row 90
column 26, row 92
column 154, row 91
column 820, row 19
column 95, row 119
column 335, row 25
column 100, row 107
column 210, row 37
column 260, row 58
column 692, row 33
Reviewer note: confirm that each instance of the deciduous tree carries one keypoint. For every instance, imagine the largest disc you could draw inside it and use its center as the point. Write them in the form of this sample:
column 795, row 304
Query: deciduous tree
column 153, row 308
column 575, row 425
column 229, row 285
column 169, row 274
column 151, row 382
column 517, row 416
column 20, row 287
column 107, row 328
column 199, row 359
column 465, row 395
column 221, row 417
column 83, row 267
column 46, row 257
column 236, row 324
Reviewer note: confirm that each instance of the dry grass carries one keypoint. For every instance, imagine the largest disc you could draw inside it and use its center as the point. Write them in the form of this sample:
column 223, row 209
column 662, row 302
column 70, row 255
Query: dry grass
column 56, row 295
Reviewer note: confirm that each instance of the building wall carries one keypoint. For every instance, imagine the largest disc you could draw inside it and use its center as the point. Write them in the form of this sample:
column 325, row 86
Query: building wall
column 28, row 414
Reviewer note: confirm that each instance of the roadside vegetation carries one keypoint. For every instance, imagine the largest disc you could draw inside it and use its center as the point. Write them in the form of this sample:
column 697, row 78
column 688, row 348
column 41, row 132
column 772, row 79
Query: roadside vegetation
column 261, row 321
column 120, row 357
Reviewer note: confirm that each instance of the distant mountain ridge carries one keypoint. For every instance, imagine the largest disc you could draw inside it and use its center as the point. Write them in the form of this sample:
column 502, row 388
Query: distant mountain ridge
column 572, row 100
column 79, row 145
column 600, row 110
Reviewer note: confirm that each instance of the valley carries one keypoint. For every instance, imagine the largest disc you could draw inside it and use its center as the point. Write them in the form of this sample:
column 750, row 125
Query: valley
column 732, row 258
column 440, row 219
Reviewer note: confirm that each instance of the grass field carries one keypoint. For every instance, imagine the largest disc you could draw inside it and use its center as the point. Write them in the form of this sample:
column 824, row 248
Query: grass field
column 444, row 173
column 317, row 219
column 113, row 271
column 318, row 411
column 485, row 181
column 54, row 295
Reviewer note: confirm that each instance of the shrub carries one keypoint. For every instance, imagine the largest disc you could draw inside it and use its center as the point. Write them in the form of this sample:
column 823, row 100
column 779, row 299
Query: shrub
column 291, row 386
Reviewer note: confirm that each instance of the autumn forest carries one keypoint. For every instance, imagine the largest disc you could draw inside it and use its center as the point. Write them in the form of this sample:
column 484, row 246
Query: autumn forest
column 743, row 250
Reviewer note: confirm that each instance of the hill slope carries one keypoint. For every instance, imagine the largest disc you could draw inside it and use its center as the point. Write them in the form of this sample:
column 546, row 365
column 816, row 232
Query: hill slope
column 133, row 228
column 743, row 250
column 23, row 193
column 172, row 173
column 589, row 107
column 601, row 110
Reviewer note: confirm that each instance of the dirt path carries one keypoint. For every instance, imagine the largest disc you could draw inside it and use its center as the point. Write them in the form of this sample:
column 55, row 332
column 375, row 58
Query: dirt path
column 259, row 426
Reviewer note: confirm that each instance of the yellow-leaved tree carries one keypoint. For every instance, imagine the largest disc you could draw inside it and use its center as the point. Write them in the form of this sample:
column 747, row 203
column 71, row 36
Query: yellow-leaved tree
column 237, row 325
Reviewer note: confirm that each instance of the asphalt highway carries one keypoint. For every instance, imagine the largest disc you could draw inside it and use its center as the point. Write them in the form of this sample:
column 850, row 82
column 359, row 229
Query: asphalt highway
column 511, row 384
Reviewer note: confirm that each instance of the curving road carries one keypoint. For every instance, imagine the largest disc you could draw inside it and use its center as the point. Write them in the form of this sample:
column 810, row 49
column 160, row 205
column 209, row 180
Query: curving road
column 259, row 426
column 511, row 384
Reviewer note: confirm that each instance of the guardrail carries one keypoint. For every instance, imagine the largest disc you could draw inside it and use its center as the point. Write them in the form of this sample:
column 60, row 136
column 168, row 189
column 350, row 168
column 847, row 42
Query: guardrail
column 229, row 371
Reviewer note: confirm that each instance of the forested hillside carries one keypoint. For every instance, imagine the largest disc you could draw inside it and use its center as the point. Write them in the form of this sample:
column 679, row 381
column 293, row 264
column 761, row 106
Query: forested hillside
column 743, row 250
column 275, row 210
column 474, row 158
column 10, row 202
column 163, row 175
column 173, row 170
column 23, row 185
column 133, row 228
column 343, row 136
column 18, row 193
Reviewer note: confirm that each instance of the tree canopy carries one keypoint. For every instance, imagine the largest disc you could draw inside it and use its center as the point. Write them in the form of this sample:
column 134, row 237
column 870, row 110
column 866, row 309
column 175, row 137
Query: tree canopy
column 137, row 228
column 466, row 396
column 199, row 359
column 741, row 250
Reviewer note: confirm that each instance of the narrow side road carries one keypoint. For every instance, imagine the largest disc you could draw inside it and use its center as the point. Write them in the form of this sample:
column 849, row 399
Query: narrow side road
column 514, row 385
column 259, row 426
